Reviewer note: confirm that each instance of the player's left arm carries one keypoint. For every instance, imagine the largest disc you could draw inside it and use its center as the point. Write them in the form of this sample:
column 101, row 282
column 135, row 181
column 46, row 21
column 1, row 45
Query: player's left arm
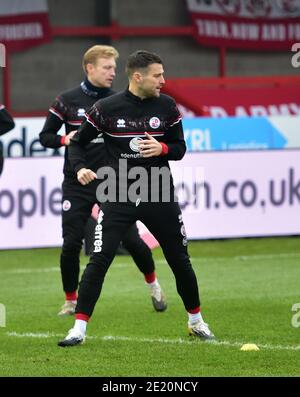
column 6, row 121
column 173, row 143
column 88, row 131
column 77, row 148
column 172, row 146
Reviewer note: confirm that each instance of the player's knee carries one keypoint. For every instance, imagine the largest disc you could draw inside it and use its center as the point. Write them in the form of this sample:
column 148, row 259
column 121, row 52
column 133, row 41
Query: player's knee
column 71, row 247
column 96, row 271
column 179, row 261
column 134, row 245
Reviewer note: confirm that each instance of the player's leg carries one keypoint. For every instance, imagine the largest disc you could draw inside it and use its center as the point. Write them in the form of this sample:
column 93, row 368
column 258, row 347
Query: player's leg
column 164, row 220
column 1, row 163
column 75, row 213
column 143, row 258
column 113, row 221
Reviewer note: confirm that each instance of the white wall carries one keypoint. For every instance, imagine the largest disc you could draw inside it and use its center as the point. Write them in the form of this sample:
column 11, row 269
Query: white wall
column 246, row 194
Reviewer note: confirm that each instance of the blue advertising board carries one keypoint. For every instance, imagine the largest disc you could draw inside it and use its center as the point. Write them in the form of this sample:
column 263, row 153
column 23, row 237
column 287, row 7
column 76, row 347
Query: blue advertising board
column 232, row 133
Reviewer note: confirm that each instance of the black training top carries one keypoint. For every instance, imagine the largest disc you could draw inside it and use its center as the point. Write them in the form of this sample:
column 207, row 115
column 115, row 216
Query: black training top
column 123, row 119
column 6, row 123
column 69, row 108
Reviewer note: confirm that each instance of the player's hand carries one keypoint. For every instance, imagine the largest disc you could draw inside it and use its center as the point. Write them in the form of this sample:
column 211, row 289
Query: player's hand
column 68, row 137
column 85, row 176
column 150, row 147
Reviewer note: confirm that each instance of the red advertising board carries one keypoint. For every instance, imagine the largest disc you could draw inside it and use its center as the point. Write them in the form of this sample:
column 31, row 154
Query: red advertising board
column 246, row 24
column 221, row 97
column 23, row 24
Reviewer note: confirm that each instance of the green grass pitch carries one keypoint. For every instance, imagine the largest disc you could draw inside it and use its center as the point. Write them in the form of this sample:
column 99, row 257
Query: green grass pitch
column 248, row 288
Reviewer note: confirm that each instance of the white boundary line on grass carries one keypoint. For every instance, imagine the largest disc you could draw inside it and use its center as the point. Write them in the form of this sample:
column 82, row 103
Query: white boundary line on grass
column 159, row 261
column 29, row 271
column 151, row 340
column 51, row 269
column 282, row 255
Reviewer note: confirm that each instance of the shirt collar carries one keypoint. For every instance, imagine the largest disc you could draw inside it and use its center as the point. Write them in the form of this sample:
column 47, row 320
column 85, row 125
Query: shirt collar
column 136, row 98
column 97, row 92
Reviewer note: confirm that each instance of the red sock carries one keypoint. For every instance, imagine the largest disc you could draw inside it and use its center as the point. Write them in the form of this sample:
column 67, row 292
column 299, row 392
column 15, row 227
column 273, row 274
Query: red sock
column 150, row 277
column 71, row 296
column 195, row 311
column 82, row 316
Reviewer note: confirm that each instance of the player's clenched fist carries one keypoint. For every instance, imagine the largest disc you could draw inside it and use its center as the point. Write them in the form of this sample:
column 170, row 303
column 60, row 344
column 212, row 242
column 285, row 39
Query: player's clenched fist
column 85, row 176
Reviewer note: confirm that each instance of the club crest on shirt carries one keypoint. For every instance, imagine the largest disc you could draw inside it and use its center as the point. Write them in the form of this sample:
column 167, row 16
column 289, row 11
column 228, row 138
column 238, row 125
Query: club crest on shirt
column 66, row 205
column 134, row 144
column 154, row 122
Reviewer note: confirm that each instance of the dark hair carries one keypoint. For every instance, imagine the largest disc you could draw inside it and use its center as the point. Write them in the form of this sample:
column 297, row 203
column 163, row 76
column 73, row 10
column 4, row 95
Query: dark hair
column 141, row 59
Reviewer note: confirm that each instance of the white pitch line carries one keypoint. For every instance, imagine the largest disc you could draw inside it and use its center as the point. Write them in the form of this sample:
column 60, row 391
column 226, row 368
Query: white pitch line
column 251, row 257
column 34, row 334
column 240, row 258
column 160, row 261
column 53, row 269
column 152, row 340
column 29, row 271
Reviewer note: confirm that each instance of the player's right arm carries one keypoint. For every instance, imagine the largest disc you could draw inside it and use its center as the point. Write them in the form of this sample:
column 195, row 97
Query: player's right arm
column 85, row 176
column 55, row 119
column 88, row 131
column 6, row 121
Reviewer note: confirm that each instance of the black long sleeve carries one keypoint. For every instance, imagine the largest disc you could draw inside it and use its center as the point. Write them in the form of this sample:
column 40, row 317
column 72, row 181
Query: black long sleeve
column 174, row 139
column 76, row 150
column 6, row 121
column 68, row 112
column 123, row 119
column 48, row 135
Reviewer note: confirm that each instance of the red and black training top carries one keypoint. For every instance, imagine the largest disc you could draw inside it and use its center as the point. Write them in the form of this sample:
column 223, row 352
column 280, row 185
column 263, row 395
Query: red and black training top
column 6, row 124
column 123, row 119
column 69, row 109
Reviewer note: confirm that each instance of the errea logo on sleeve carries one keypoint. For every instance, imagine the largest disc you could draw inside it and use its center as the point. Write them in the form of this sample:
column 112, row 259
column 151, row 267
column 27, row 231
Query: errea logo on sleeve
column 121, row 123
column 80, row 112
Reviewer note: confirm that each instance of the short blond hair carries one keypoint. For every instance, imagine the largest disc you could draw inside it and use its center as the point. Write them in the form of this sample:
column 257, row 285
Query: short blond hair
column 98, row 51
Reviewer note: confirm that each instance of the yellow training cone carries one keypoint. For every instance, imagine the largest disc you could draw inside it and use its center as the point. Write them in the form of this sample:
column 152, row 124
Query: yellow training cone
column 249, row 347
